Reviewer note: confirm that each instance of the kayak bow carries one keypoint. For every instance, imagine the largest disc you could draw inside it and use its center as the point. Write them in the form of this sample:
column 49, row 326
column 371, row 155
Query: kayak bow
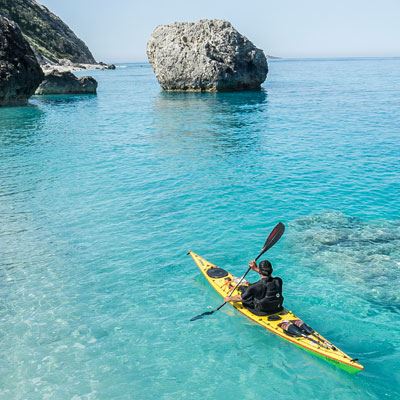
column 222, row 281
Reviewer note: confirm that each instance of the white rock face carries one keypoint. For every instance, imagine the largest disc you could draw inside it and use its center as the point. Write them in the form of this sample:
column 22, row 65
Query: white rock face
column 208, row 55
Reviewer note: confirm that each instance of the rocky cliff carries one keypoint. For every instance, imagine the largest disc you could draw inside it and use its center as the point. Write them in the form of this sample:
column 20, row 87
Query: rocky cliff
column 20, row 73
column 208, row 55
column 50, row 38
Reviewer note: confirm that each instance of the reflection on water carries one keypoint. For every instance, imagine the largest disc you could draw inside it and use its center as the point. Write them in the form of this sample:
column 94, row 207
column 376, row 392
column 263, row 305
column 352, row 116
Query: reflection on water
column 64, row 99
column 218, row 117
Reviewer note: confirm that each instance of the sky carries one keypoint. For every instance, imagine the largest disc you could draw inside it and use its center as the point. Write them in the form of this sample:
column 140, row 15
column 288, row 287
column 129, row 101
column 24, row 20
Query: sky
column 118, row 31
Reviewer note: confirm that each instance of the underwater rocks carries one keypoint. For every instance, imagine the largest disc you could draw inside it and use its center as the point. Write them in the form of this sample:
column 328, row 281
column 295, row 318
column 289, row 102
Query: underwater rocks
column 365, row 254
column 56, row 82
column 20, row 73
column 208, row 55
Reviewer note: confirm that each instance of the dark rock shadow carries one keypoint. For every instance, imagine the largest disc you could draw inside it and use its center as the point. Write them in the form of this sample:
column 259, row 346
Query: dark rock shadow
column 63, row 99
column 18, row 125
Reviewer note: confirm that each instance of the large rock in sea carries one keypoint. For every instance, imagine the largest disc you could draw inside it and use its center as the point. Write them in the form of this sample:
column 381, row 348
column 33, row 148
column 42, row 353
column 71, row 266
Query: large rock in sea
column 20, row 73
column 56, row 82
column 208, row 55
column 50, row 38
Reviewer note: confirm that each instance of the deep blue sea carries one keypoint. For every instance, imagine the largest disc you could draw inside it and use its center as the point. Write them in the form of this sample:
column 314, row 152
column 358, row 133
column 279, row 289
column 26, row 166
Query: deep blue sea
column 102, row 196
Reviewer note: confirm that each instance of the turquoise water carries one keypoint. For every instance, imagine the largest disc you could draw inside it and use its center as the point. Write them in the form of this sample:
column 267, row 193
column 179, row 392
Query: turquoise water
column 101, row 197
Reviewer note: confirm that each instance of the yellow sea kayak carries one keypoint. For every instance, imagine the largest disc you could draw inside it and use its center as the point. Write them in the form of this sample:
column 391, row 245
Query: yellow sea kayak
column 223, row 282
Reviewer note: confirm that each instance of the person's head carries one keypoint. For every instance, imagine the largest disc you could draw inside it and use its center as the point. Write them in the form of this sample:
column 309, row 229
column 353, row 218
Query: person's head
column 265, row 268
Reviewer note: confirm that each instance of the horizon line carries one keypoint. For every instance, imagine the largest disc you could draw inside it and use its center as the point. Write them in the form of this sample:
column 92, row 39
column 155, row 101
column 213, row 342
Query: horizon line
column 276, row 58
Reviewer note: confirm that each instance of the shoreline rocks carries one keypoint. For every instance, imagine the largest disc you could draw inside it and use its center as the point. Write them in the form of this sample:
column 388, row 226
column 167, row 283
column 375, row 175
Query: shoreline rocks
column 75, row 67
column 34, row 45
column 56, row 82
column 208, row 55
column 20, row 72
column 106, row 66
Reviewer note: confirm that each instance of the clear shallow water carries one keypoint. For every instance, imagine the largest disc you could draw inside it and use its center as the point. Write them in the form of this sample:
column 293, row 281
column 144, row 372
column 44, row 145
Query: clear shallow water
column 101, row 197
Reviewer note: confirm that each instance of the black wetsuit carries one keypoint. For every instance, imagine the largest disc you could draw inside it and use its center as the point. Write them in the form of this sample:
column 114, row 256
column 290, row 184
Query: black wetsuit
column 264, row 297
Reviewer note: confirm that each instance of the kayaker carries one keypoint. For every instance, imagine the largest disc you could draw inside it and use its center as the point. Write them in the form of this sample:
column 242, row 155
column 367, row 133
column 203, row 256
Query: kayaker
column 265, row 296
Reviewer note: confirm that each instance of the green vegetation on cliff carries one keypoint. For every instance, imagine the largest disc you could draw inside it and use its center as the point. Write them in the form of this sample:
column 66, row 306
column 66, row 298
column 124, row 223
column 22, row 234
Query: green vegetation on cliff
column 47, row 34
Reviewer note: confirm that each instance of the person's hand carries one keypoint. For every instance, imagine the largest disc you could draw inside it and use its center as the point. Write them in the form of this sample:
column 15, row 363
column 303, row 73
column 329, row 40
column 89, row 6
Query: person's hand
column 227, row 298
column 252, row 264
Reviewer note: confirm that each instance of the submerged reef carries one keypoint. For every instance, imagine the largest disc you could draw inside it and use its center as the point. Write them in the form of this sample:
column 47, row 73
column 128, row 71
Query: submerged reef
column 365, row 253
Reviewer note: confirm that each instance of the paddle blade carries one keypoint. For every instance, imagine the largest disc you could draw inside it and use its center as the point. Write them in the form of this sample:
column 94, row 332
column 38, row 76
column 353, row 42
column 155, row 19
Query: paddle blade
column 272, row 238
column 202, row 315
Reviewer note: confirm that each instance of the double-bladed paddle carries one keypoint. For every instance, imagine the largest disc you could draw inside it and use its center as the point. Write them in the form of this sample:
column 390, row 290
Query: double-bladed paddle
column 272, row 238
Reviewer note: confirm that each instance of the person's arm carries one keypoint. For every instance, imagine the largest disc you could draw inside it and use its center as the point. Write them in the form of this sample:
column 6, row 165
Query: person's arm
column 235, row 299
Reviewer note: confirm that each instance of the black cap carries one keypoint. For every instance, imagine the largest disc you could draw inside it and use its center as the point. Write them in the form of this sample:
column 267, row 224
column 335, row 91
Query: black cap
column 265, row 267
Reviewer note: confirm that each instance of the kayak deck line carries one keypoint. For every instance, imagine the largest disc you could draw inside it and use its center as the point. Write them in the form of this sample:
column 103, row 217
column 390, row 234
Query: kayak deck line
column 336, row 357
